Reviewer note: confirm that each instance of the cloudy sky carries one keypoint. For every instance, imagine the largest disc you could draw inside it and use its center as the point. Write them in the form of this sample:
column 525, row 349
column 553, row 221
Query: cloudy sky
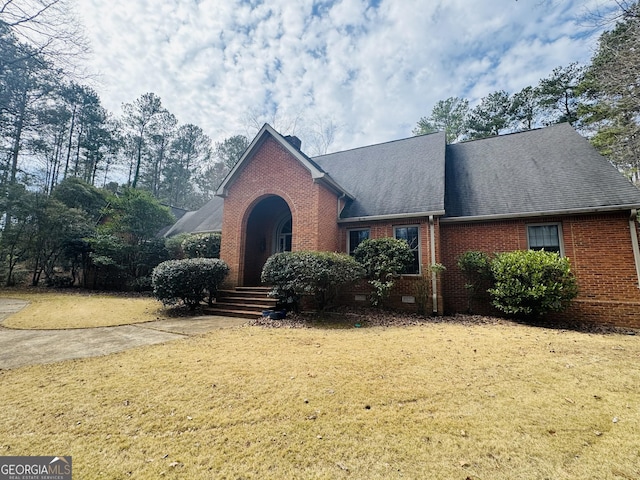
column 370, row 67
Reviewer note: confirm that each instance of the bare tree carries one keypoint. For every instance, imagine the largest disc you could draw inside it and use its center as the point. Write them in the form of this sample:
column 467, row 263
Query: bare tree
column 48, row 27
column 282, row 122
column 321, row 136
column 609, row 12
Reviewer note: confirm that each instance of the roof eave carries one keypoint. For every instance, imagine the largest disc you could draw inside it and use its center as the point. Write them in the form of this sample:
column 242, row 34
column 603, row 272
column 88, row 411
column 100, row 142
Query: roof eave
column 392, row 216
column 549, row 213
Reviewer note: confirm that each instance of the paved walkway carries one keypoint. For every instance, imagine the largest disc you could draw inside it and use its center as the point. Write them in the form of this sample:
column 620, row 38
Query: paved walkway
column 29, row 347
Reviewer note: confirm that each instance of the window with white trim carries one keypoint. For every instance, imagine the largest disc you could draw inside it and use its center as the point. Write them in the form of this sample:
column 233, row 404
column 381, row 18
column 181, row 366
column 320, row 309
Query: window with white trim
column 411, row 234
column 356, row 237
column 547, row 237
column 284, row 235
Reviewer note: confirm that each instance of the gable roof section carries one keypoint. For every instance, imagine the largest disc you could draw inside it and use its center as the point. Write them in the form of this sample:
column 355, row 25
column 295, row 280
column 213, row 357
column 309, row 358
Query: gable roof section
column 207, row 219
column 403, row 178
column 318, row 175
column 549, row 171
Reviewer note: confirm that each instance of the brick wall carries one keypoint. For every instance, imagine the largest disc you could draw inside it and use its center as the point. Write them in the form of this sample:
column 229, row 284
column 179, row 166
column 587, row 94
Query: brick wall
column 409, row 287
column 599, row 247
column 274, row 171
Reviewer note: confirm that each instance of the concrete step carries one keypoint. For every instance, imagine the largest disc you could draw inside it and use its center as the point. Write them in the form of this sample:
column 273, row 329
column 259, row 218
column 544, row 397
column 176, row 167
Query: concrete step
column 243, row 302
column 257, row 300
column 225, row 303
column 244, row 293
column 231, row 312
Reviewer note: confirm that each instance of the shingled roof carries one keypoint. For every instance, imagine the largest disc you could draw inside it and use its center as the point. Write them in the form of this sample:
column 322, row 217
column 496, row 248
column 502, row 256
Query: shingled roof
column 400, row 178
column 546, row 171
column 207, row 219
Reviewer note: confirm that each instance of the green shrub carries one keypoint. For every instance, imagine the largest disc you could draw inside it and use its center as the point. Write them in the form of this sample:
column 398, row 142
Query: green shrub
column 174, row 246
column 141, row 284
column 202, row 245
column 476, row 268
column 321, row 274
column 531, row 283
column 382, row 259
column 188, row 280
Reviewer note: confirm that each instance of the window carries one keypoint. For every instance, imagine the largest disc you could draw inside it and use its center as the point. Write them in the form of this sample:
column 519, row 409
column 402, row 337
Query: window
column 545, row 237
column 284, row 235
column 356, row 237
column 411, row 236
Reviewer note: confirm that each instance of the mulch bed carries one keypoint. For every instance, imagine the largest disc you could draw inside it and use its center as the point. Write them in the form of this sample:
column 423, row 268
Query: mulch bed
column 365, row 318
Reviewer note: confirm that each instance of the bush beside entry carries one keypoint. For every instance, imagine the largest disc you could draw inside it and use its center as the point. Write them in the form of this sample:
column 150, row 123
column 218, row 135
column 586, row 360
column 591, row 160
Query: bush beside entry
column 383, row 259
column 202, row 245
column 293, row 274
column 189, row 281
column 531, row 283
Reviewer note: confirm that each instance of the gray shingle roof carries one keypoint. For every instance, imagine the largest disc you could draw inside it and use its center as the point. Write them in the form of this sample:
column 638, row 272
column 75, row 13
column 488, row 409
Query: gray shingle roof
column 394, row 178
column 547, row 170
column 543, row 171
column 205, row 220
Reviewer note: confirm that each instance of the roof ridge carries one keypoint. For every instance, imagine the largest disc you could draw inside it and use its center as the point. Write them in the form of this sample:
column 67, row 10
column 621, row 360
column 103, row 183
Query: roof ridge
column 555, row 125
column 377, row 144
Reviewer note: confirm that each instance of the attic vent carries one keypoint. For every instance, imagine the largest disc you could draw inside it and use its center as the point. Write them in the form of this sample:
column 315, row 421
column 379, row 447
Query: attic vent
column 293, row 140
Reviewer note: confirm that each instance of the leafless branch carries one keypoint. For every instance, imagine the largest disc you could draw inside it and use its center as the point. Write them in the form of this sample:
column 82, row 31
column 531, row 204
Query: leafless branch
column 48, row 28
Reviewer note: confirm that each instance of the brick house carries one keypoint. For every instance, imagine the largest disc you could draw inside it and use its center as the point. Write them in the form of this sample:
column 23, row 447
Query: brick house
column 546, row 188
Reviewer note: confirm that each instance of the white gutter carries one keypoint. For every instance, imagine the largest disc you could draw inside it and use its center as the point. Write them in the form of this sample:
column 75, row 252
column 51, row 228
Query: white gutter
column 340, row 198
column 634, row 241
column 434, row 277
column 507, row 216
column 393, row 216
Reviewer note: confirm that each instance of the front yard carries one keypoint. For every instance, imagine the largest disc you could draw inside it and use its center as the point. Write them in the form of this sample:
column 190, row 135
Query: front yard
column 441, row 400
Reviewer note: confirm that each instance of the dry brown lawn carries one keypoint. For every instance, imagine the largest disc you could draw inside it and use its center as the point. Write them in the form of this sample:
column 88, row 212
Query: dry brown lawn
column 437, row 401
column 80, row 310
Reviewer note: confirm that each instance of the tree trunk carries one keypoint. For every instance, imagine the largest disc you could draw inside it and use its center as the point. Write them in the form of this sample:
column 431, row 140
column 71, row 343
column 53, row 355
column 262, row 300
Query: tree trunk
column 69, row 144
column 19, row 126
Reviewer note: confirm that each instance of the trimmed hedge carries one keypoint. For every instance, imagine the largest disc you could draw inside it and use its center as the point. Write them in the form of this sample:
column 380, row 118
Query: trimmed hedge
column 531, row 283
column 202, row 245
column 382, row 259
column 188, row 281
column 320, row 274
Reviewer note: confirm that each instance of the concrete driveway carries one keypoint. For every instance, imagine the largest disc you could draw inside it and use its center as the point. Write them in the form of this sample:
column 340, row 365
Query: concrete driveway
column 30, row 347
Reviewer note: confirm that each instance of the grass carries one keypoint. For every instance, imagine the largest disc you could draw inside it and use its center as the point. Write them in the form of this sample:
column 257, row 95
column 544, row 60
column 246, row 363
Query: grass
column 80, row 310
column 440, row 401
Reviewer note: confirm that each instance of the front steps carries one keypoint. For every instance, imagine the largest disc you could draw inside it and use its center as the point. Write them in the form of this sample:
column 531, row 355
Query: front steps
column 242, row 302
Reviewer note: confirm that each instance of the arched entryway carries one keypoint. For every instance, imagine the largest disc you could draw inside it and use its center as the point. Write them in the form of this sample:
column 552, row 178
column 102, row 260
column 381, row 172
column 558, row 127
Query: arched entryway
column 269, row 230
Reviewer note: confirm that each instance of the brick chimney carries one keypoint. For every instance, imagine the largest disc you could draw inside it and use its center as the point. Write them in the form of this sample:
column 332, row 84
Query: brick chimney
column 294, row 141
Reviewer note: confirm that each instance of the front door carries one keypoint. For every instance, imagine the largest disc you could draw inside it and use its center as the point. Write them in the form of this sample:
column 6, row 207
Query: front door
column 269, row 230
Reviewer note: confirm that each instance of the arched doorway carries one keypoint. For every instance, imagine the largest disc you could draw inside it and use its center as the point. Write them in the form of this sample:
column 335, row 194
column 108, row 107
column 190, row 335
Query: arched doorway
column 269, row 230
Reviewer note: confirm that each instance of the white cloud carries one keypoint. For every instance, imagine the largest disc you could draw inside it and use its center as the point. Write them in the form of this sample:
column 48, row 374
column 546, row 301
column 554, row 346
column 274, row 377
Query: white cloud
column 374, row 68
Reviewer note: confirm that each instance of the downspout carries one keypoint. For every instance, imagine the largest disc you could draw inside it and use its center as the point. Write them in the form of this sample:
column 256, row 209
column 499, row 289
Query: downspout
column 434, row 278
column 340, row 198
column 634, row 241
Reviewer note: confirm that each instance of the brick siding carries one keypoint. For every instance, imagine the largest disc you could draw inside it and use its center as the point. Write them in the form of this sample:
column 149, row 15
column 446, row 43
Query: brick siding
column 599, row 247
column 274, row 171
